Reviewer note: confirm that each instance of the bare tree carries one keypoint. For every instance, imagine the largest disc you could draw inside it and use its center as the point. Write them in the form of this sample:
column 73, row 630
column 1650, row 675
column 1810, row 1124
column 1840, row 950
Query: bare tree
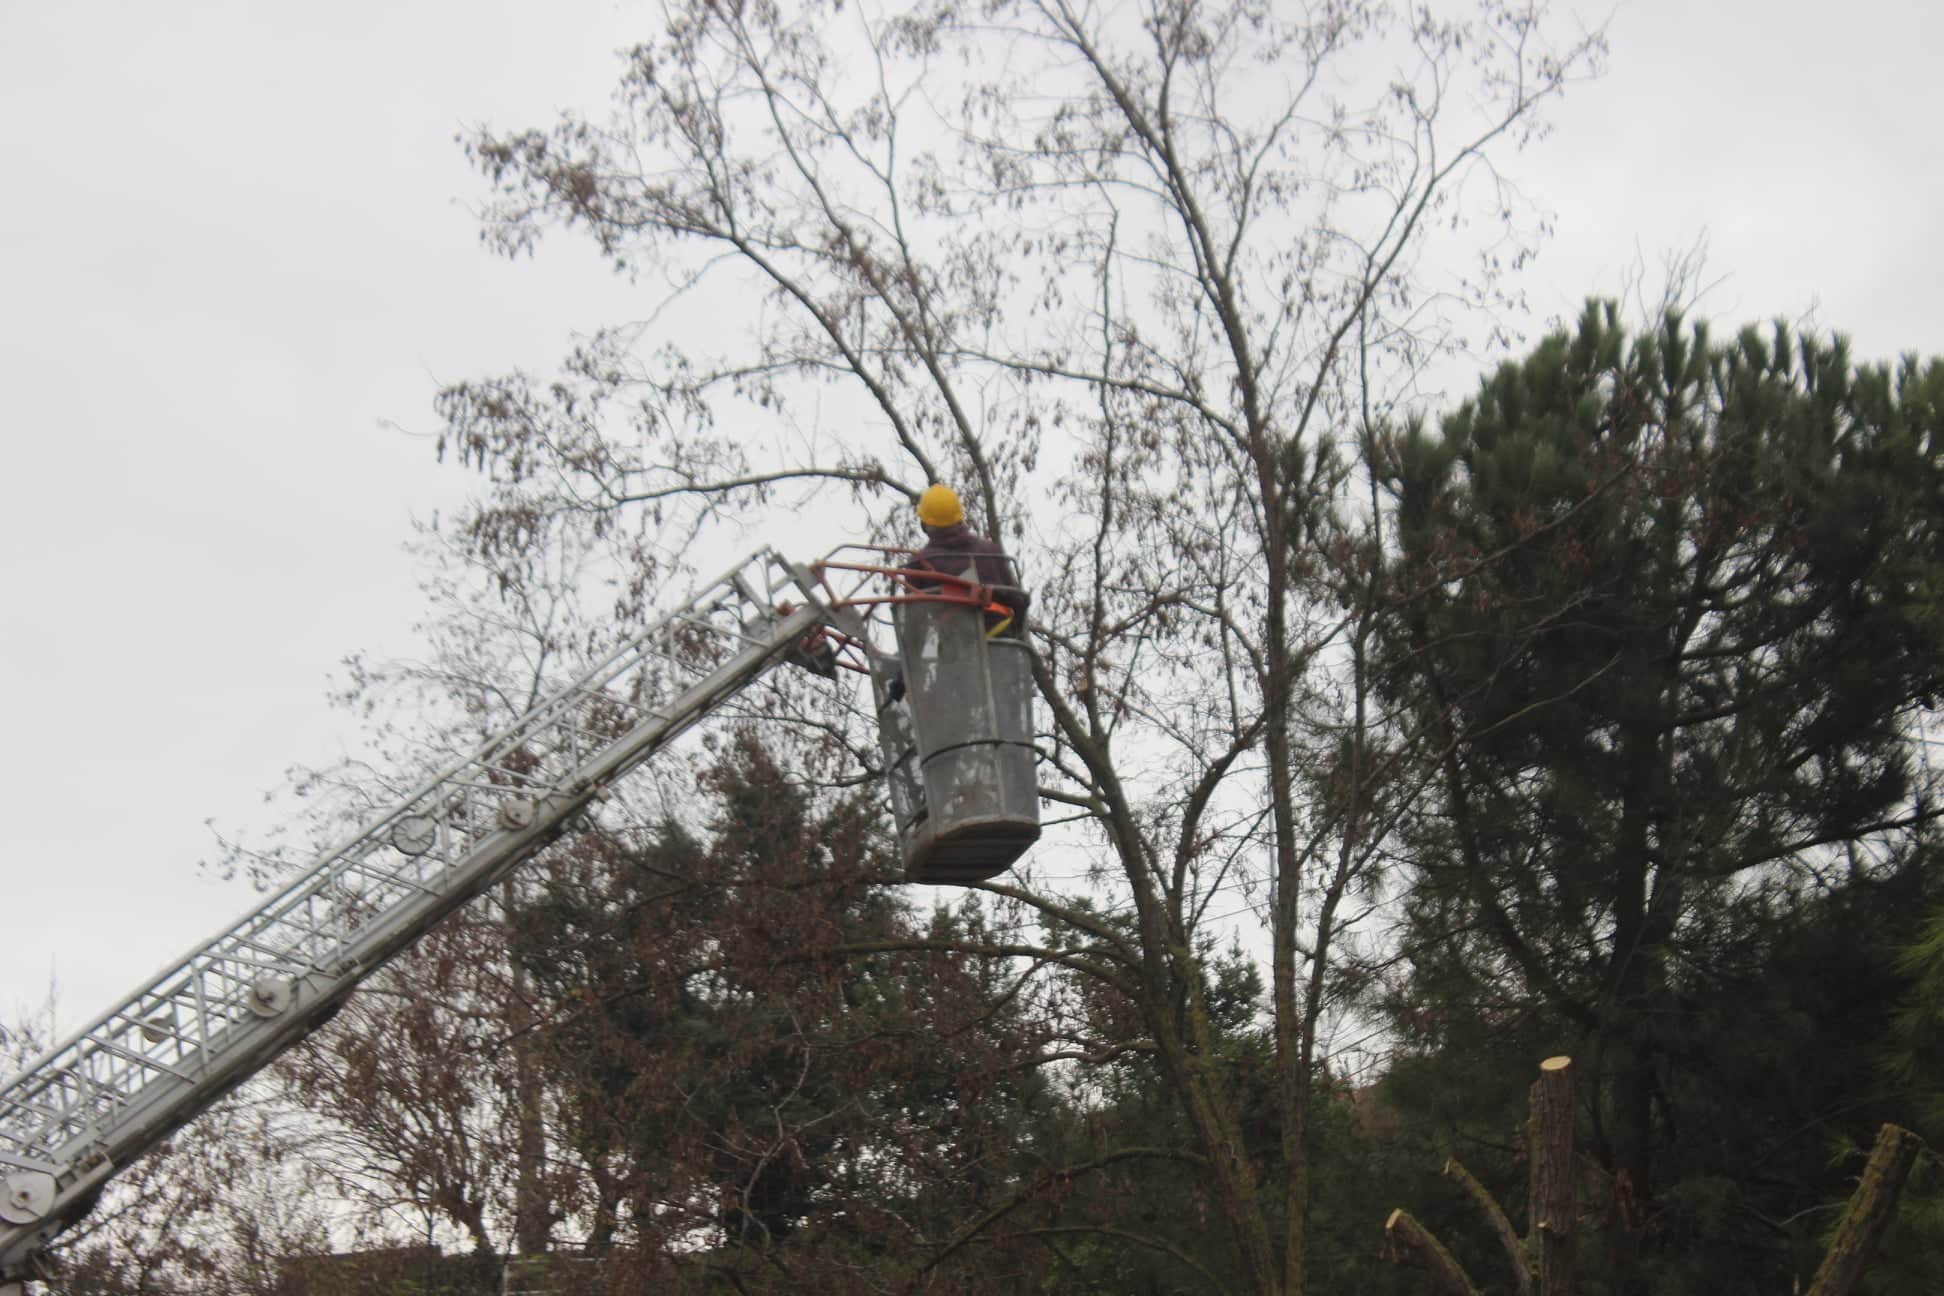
column 428, row 1109
column 1142, row 279
column 227, row 1204
column 222, row 1205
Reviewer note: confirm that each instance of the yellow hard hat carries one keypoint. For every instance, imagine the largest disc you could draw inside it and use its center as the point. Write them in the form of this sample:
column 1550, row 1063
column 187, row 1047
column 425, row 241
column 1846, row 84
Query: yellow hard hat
column 940, row 507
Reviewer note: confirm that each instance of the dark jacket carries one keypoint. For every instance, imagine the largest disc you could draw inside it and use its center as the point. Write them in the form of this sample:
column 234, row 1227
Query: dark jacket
column 960, row 551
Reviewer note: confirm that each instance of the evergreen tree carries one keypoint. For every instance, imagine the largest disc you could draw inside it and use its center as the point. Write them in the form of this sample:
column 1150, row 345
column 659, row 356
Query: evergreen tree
column 759, row 1062
column 1662, row 604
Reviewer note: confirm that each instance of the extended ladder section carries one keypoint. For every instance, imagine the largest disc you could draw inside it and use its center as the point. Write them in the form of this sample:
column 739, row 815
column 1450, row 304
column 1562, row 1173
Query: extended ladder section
column 113, row 1090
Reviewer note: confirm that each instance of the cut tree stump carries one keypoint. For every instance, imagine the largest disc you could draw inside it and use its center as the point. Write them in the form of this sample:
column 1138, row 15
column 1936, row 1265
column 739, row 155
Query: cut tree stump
column 1552, row 1210
column 1542, row 1261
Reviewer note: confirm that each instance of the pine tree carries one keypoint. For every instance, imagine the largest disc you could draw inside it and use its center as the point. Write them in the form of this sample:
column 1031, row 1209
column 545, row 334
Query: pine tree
column 1662, row 604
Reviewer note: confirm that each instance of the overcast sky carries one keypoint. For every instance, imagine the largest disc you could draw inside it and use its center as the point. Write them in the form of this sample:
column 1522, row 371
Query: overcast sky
column 238, row 256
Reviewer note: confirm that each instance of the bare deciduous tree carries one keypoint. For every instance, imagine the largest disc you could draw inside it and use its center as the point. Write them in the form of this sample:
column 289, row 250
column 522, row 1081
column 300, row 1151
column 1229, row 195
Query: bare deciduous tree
column 1142, row 280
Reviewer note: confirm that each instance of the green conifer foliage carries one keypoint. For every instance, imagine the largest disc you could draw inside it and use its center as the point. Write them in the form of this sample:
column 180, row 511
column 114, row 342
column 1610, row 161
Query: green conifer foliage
column 1667, row 608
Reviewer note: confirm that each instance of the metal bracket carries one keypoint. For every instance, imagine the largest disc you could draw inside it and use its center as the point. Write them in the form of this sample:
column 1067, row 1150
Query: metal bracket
column 270, row 996
column 26, row 1196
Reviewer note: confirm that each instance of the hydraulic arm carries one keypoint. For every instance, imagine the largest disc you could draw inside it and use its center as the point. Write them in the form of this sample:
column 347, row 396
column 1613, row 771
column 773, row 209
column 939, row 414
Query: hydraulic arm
column 114, row 1089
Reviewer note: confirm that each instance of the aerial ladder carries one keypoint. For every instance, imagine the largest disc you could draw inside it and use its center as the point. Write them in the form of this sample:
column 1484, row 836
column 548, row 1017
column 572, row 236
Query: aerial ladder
column 955, row 721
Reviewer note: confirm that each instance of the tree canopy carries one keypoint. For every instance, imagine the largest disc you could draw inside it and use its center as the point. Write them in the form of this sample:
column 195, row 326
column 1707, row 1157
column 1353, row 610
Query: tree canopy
column 1132, row 280
column 1667, row 600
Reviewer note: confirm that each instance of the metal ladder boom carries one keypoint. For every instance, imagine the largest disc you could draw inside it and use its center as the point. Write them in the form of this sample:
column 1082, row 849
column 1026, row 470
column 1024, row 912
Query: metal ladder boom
column 209, row 1021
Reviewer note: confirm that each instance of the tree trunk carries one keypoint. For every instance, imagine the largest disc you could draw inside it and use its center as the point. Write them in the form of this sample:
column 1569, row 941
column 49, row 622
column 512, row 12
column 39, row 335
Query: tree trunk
column 1631, row 977
column 1553, row 1209
column 1871, row 1208
column 1410, row 1240
column 1218, row 1130
column 532, row 1212
column 1627, row 985
column 1515, row 1247
column 1292, row 1025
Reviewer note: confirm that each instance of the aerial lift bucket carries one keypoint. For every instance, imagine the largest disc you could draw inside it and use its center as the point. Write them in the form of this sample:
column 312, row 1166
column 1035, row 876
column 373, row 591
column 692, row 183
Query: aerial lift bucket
column 964, row 787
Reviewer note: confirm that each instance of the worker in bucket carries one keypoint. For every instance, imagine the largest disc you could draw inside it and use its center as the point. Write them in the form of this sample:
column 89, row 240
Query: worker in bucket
column 953, row 548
